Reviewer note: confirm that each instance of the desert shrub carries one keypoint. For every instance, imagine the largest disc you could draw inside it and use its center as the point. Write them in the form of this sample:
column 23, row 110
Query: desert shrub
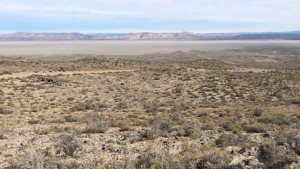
column 35, row 159
column 243, row 140
column 42, row 131
column 5, row 111
column 73, row 165
column 68, row 144
column 165, row 125
column 70, row 99
column 123, row 105
column 281, row 136
column 33, row 121
column 102, row 106
column 1, row 92
column 214, row 160
column 96, row 127
column 278, row 120
column 225, row 140
column 160, row 125
column 295, row 101
column 155, row 159
column 276, row 157
column 97, row 123
column 70, row 118
column 294, row 141
column 61, row 121
column 150, row 134
column 254, row 128
column 178, row 90
column 192, row 129
column 2, row 135
column 229, row 124
column 124, row 126
column 151, row 106
column 203, row 114
column 228, row 139
column 7, row 72
column 176, row 108
column 124, row 164
column 93, row 117
column 156, row 78
column 175, row 117
column 86, row 105
column 237, row 129
column 190, row 157
column 258, row 112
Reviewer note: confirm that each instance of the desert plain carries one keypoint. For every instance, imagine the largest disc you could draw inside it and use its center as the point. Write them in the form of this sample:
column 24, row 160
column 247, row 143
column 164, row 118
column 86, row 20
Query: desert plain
column 150, row 104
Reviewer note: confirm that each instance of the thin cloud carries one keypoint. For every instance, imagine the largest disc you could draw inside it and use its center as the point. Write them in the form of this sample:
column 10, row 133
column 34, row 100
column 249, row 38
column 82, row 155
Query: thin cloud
column 242, row 12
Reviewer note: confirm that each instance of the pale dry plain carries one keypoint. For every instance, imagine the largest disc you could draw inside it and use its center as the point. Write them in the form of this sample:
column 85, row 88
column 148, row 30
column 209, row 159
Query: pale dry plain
column 132, row 47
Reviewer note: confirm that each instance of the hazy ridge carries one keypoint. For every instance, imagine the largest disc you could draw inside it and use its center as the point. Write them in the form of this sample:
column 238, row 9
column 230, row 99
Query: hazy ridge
column 31, row 36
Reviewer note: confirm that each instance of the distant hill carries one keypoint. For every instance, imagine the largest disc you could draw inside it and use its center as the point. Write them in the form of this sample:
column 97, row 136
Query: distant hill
column 283, row 36
column 30, row 36
column 151, row 36
column 245, row 33
column 105, row 34
column 26, row 36
column 294, row 32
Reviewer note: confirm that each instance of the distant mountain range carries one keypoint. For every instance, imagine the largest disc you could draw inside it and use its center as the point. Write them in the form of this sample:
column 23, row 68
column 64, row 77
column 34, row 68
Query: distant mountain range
column 27, row 36
column 243, row 33
column 106, row 34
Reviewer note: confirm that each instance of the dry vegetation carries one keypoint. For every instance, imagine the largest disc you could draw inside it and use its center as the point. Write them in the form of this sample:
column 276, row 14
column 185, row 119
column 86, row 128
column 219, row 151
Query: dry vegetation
column 166, row 111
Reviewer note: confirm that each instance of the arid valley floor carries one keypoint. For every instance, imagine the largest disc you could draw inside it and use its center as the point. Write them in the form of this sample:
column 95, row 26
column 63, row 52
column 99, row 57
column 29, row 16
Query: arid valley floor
column 195, row 109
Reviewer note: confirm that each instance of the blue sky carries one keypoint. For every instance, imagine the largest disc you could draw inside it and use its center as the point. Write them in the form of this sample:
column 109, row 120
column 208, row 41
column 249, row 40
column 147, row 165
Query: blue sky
column 122, row 16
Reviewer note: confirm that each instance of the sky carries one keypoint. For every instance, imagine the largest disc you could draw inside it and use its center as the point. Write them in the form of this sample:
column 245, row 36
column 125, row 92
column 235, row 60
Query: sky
column 124, row 16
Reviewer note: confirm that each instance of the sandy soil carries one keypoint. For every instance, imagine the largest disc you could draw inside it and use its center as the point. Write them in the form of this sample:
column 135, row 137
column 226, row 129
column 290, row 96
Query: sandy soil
column 132, row 47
